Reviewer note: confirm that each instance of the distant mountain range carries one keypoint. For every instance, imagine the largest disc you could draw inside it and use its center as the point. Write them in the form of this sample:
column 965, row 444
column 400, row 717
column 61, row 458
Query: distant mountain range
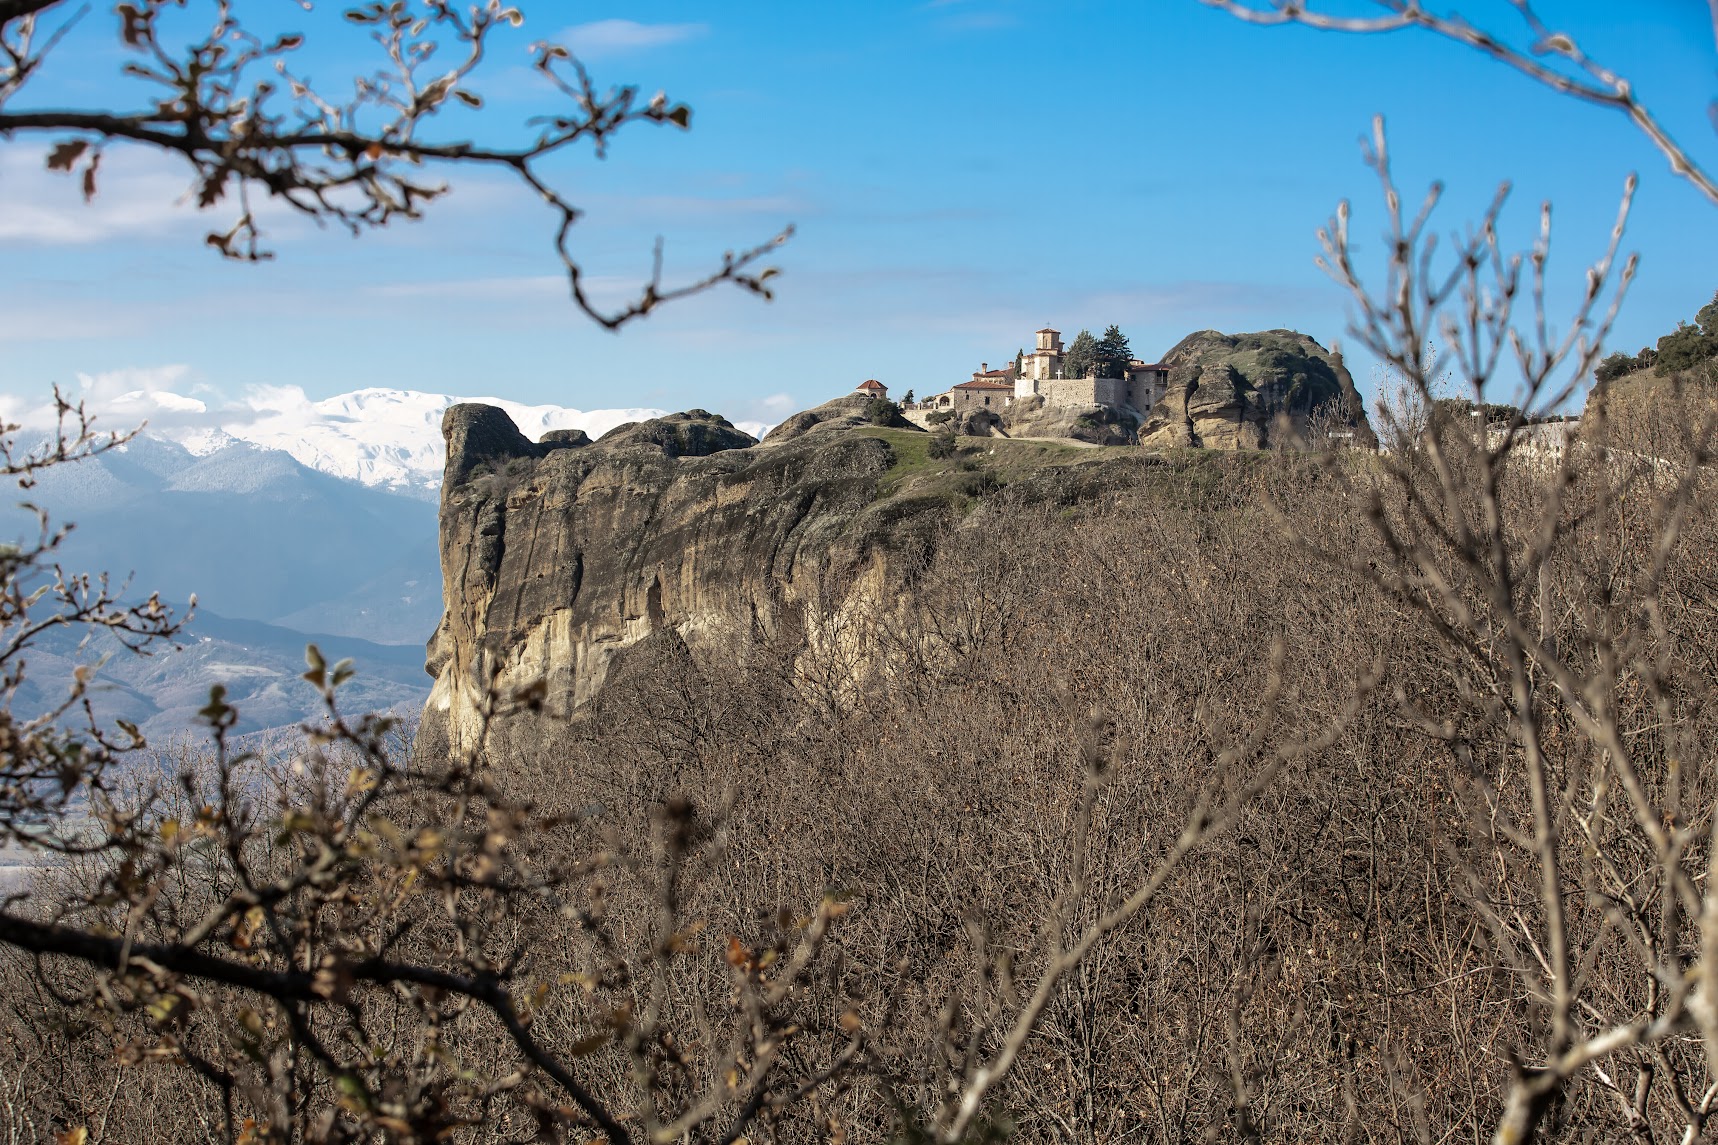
column 290, row 520
column 376, row 437
column 255, row 535
column 259, row 664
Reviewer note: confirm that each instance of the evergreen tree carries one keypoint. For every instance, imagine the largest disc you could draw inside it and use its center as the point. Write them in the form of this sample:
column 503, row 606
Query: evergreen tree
column 1707, row 318
column 1684, row 348
column 1615, row 367
column 1688, row 346
column 1113, row 353
column 1081, row 357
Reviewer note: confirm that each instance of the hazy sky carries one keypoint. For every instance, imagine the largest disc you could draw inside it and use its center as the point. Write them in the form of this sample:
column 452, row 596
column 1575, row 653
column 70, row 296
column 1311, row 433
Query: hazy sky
column 961, row 172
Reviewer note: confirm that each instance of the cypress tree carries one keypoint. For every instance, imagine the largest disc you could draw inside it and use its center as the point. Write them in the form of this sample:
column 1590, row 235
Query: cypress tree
column 1081, row 357
column 1113, row 353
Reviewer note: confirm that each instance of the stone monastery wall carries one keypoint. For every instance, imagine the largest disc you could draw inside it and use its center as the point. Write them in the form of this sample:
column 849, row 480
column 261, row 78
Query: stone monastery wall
column 1082, row 391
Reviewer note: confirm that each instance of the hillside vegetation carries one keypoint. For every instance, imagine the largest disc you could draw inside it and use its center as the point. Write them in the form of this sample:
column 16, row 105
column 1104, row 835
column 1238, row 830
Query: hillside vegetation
column 1287, row 749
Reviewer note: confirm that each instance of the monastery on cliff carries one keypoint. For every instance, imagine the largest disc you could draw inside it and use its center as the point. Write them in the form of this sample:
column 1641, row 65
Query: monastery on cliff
column 1038, row 374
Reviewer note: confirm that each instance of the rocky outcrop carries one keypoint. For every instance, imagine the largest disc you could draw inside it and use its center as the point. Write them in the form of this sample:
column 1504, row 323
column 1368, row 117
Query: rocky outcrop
column 695, row 433
column 1247, row 391
column 849, row 412
column 1226, row 410
column 559, row 555
column 980, row 423
column 1096, row 425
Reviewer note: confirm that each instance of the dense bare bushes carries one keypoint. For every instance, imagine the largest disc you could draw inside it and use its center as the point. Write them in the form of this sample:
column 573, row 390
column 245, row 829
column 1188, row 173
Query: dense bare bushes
column 1356, row 954
column 1040, row 713
column 1289, row 797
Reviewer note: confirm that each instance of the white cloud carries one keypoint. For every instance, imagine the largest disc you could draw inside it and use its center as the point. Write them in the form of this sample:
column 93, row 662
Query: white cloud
column 112, row 384
column 140, row 195
column 619, row 37
column 779, row 404
column 135, row 194
column 120, row 400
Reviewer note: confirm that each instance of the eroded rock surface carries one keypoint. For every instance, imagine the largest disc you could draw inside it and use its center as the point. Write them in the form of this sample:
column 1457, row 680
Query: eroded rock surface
column 1095, row 425
column 848, row 412
column 1248, row 391
column 558, row 555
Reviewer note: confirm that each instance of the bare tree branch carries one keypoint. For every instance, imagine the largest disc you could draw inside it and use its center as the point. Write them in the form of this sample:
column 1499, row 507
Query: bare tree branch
column 230, row 106
column 1590, row 80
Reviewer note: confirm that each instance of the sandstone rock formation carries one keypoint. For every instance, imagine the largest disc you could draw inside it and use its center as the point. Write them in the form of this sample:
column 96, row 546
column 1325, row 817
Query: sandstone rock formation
column 847, row 412
column 558, row 555
column 695, row 433
column 1096, row 425
column 980, row 423
column 1247, row 391
column 555, row 555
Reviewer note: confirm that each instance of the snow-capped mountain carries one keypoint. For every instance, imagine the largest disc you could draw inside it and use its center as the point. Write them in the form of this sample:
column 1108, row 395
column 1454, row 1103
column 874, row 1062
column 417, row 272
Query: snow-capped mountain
column 253, row 533
column 379, row 437
column 277, row 554
column 290, row 519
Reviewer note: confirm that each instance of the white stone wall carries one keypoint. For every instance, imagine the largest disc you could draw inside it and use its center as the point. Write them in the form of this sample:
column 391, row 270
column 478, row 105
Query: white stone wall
column 1066, row 391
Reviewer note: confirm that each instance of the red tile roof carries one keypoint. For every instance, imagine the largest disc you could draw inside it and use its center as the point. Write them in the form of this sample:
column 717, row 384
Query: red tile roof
column 981, row 384
column 1047, row 330
column 870, row 384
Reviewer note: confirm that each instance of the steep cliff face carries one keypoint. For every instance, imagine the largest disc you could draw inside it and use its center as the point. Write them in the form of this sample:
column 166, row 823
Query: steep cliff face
column 557, row 555
column 1239, row 391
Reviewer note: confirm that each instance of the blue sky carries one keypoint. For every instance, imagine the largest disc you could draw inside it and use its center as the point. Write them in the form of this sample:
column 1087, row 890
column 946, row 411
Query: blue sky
column 960, row 172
